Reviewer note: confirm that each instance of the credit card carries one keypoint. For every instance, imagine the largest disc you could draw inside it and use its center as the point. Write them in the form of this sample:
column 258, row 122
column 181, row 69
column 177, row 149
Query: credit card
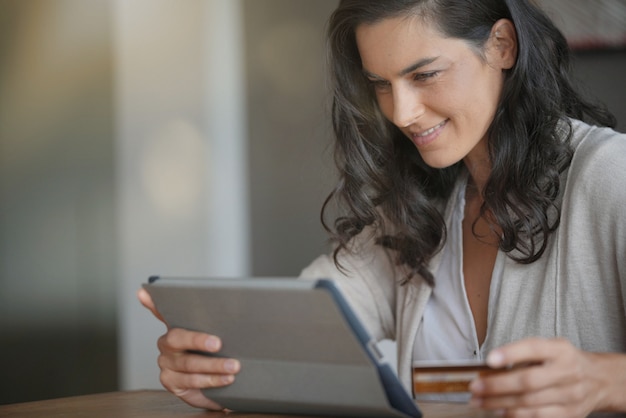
column 448, row 378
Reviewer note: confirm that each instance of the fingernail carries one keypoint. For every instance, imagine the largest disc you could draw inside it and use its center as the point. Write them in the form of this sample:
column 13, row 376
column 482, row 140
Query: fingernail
column 229, row 378
column 495, row 359
column 212, row 344
column 231, row 366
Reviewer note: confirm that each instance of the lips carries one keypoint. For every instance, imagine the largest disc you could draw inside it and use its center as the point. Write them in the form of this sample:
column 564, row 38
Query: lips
column 431, row 130
column 429, row 135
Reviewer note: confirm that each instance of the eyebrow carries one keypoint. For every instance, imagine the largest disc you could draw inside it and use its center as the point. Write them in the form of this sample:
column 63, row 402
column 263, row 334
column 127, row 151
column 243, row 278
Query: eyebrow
column 421, row 63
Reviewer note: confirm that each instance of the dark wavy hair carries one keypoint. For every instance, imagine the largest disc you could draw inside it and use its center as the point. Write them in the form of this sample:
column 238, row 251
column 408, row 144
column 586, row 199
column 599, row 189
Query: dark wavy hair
column 383, row 181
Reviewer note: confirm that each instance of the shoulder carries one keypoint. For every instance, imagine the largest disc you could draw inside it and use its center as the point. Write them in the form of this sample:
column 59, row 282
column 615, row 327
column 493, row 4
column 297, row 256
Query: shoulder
column 595, row 188
column 364, row 260
column 597, row 144
column 599, row 162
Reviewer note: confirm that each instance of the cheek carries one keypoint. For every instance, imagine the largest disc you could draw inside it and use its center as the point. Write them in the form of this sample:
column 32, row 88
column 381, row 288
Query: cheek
column 487, row 91
column 474, row 101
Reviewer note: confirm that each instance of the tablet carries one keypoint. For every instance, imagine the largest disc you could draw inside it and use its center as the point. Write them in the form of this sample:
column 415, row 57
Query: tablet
column 302, row 349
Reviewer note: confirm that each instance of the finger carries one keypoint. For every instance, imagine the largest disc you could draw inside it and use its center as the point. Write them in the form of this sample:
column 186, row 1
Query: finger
column 196, row 363
column 531, row 350
column 176, row 382
column 523, row 380
column 178, row 339
column 146, row 300
column 542, row 398
column 196, row 398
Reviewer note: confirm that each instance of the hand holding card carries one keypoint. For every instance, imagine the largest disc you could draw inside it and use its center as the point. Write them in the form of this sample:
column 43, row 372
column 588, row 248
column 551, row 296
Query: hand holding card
column 449, row 381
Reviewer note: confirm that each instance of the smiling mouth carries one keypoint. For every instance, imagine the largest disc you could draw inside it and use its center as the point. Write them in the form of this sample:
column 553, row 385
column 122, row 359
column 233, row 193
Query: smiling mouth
column 431, row 130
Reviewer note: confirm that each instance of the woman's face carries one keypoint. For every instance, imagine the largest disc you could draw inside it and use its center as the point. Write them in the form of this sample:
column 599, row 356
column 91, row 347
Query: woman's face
column 438, row 91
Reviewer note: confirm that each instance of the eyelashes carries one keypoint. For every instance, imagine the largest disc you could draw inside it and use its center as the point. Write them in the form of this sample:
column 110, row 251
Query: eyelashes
column 382, row 86
column 425, row 76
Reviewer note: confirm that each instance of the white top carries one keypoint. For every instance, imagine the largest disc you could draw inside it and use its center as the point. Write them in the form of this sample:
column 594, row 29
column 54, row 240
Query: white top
column 447, row 331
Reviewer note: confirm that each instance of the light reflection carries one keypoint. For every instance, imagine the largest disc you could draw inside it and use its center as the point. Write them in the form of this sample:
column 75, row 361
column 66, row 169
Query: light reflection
column 174, row 168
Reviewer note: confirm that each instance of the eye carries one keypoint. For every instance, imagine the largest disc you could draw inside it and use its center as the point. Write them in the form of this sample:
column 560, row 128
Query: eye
column 379, row 86
column 425, row 76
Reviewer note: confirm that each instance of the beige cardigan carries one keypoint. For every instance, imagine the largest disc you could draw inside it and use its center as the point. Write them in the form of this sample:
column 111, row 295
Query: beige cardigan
column 577, row 289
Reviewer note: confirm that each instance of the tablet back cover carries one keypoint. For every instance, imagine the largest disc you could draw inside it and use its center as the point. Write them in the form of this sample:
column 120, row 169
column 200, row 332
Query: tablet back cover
column 298, row 351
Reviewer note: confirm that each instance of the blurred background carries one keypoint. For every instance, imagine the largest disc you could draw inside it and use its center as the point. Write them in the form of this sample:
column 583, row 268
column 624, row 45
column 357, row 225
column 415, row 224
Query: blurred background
column 142, row 137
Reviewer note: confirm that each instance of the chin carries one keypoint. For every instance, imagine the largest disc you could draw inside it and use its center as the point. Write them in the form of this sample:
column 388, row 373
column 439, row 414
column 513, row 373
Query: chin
column 439, row 162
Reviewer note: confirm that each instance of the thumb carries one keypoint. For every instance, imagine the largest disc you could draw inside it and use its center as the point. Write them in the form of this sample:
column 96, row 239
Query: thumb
column 146, row 300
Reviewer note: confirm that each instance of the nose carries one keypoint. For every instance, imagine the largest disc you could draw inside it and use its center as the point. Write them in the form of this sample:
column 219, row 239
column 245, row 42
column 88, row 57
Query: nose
column 407, row 107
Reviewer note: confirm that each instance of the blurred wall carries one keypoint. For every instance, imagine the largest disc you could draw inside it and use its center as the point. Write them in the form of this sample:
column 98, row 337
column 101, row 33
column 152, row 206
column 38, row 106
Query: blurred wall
column 601, row 75
column 181, row 177
column 290, row 161
column 57, row 200
column 111, row 112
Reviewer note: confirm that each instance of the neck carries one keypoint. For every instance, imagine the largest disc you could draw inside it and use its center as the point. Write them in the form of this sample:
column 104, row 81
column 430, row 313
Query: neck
column 479, row 167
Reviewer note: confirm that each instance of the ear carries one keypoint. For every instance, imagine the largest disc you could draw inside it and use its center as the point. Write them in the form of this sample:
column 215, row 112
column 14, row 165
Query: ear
column 503, row 44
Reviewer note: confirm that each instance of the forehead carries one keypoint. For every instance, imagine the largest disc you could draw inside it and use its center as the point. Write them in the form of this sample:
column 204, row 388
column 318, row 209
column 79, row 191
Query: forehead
column 397, row 28
column 395, row 42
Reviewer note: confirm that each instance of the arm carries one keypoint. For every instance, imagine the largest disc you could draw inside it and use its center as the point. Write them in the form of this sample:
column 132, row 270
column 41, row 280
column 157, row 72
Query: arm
column 562, row 380
column 185, row 374
column 368, row 280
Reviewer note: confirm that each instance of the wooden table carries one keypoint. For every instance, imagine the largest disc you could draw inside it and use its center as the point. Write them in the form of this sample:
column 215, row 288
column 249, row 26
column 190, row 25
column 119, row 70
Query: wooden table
column 154, row 403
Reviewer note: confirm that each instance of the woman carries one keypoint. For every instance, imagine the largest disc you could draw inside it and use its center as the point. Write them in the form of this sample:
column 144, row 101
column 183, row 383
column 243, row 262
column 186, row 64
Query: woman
column 482, row 219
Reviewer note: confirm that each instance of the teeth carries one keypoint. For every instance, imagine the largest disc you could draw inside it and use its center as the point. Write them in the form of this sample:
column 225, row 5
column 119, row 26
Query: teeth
column 431, row 130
